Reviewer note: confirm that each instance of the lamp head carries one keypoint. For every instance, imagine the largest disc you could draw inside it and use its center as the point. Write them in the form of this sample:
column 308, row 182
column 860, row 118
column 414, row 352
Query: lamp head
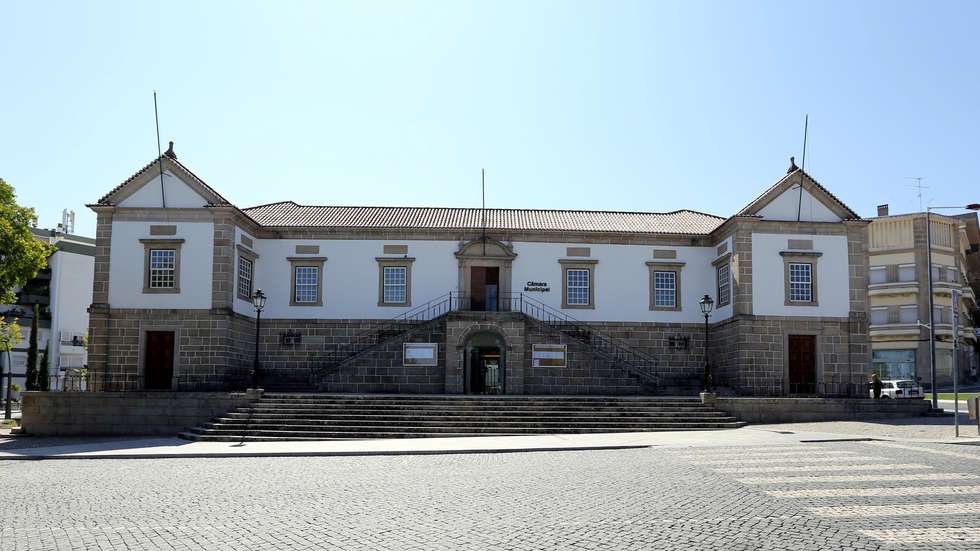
column 706, row 304
column 258, row 300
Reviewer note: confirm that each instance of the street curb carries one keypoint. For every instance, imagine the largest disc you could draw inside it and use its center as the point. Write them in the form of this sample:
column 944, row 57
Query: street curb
column 321, row 454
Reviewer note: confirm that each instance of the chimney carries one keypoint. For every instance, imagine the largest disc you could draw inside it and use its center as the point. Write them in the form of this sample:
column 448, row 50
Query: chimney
column 883, row 210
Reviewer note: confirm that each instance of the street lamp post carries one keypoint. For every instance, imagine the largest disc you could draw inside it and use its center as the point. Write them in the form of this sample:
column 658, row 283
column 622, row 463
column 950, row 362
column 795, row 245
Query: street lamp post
column 932, row 306
column 706, row 305
column 258, row 302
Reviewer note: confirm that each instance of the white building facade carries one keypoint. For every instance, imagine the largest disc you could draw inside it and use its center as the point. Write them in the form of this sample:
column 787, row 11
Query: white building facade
column 445, row 300
column 63, row 292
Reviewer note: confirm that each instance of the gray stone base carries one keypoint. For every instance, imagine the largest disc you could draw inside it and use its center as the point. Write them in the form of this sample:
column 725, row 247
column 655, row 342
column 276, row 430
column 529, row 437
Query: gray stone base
column 803, row 410
column 123, row 413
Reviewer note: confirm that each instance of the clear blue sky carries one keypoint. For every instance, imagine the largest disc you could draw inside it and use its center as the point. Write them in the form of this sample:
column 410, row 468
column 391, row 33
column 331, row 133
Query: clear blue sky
column 580, row 105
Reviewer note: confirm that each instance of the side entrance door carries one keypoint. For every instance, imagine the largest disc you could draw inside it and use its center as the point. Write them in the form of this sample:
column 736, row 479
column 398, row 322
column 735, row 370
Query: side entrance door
column 802, row 364
column 158, row 360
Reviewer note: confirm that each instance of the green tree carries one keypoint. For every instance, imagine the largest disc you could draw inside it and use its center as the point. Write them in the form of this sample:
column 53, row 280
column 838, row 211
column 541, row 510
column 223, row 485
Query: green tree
column 22, row 255
column 9, row 338
column 43, row 379
column 32, row 381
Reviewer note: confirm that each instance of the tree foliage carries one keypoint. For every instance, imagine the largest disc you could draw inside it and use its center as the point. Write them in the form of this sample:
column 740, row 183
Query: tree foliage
column 32, row 382
column 22, row 255
column 9, row 334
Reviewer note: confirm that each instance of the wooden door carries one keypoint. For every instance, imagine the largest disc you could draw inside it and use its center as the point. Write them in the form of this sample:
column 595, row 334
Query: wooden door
column 802, row 364
column 158, row 360
column 478, row 288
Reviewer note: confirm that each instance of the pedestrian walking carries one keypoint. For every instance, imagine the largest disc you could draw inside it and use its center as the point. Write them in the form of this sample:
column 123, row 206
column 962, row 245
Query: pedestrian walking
column 876, row 386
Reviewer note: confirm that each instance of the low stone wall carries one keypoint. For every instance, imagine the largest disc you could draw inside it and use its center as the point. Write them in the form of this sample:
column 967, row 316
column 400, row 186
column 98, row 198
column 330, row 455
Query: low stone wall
column 123, row 413
column 804, row 410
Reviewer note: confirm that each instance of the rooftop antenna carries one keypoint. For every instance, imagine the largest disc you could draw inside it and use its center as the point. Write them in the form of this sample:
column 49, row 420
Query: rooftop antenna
column 156, row 116
column 483, row 209
column 799, row 205
column 918, row 187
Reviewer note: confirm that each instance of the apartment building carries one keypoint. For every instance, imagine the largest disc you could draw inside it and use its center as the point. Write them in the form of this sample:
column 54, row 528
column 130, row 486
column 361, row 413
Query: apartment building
column 898, row 294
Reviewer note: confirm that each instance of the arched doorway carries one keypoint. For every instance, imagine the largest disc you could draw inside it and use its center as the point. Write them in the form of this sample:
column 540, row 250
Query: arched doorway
column 485, row 355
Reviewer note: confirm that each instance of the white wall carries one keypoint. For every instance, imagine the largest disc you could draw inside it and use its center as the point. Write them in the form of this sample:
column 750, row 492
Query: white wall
column 787, row 205
column 177, row 193
column 350, row 276
column 71, row 295
column 768, row 298
column 622, row 280
column 126, row 266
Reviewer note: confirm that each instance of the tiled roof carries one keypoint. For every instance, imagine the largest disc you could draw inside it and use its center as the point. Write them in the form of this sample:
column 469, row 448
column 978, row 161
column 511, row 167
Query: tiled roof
column 289, row 214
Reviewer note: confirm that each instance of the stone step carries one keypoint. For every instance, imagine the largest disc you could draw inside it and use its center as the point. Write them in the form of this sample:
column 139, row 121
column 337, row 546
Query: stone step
column 263, row 409
column 510, row 422
column 373, row 432
column 481, row 407
column 498, row 416
column 475, row 398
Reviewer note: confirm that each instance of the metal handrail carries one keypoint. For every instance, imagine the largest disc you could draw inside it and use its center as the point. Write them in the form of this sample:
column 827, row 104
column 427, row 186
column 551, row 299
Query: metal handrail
column 636, row 362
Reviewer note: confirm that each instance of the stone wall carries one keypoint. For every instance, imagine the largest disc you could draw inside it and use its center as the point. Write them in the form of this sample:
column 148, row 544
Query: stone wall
column 804, row 410
column 751, row 358
column 123, row 413
column 379, row 370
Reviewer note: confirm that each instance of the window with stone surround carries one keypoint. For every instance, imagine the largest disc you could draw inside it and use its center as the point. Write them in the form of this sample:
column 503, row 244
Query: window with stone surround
column 906, row 272
column 665, row 285
column 161, row 265
column 307, row 281
column 395, row 281
column 723, row 275
column 578, row 283
column 800, row 277
column 246, row 267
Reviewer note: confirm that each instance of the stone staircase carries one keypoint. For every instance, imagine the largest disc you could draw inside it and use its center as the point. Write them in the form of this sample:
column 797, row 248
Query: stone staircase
column 281, row 416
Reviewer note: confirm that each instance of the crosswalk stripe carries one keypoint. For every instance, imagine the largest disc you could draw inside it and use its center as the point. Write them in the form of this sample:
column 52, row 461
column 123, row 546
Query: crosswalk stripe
column 908, row 536
column 806, row 453
column 754, row 449
column 877, row 492
column 948, row 453
column 803, row 479
column 770, row 460
column 857, row 511
column 819, row 468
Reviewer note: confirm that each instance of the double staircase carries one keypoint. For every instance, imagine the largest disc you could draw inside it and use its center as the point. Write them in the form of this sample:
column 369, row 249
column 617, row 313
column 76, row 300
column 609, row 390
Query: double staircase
column 346, row 417
column 636, row 363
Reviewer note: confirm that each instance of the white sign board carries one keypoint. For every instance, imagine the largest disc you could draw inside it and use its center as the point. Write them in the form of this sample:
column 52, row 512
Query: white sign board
column 549, row 355
column 420, row 353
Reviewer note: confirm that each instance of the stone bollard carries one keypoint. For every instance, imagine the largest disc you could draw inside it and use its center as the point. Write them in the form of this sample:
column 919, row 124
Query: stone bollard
column 708, row 398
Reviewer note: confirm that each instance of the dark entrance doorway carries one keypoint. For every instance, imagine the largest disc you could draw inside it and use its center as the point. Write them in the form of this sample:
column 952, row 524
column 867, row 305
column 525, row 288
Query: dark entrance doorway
column 484, row 288
column 802, row 364
column 485, row 364
column 158, row 360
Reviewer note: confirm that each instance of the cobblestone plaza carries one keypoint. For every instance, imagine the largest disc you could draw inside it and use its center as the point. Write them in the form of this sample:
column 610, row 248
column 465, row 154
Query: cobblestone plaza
column 819, row 496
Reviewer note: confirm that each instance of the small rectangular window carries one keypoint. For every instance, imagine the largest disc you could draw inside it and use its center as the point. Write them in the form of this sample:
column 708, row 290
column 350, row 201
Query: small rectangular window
column 245, row 267
column 908, row 314
column 879, row 316
column 578, row 287
column 163, row 264
column 395, row 284
column 800, row 282
column 723, row 274
column 305, row 285
column 906, row 273
column 665, row 289
column 951, row 275
column 878, row 274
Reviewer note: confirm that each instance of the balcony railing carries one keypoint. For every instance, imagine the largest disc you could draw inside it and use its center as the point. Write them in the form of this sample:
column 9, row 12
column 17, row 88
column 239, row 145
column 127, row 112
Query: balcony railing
column 69, row 338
